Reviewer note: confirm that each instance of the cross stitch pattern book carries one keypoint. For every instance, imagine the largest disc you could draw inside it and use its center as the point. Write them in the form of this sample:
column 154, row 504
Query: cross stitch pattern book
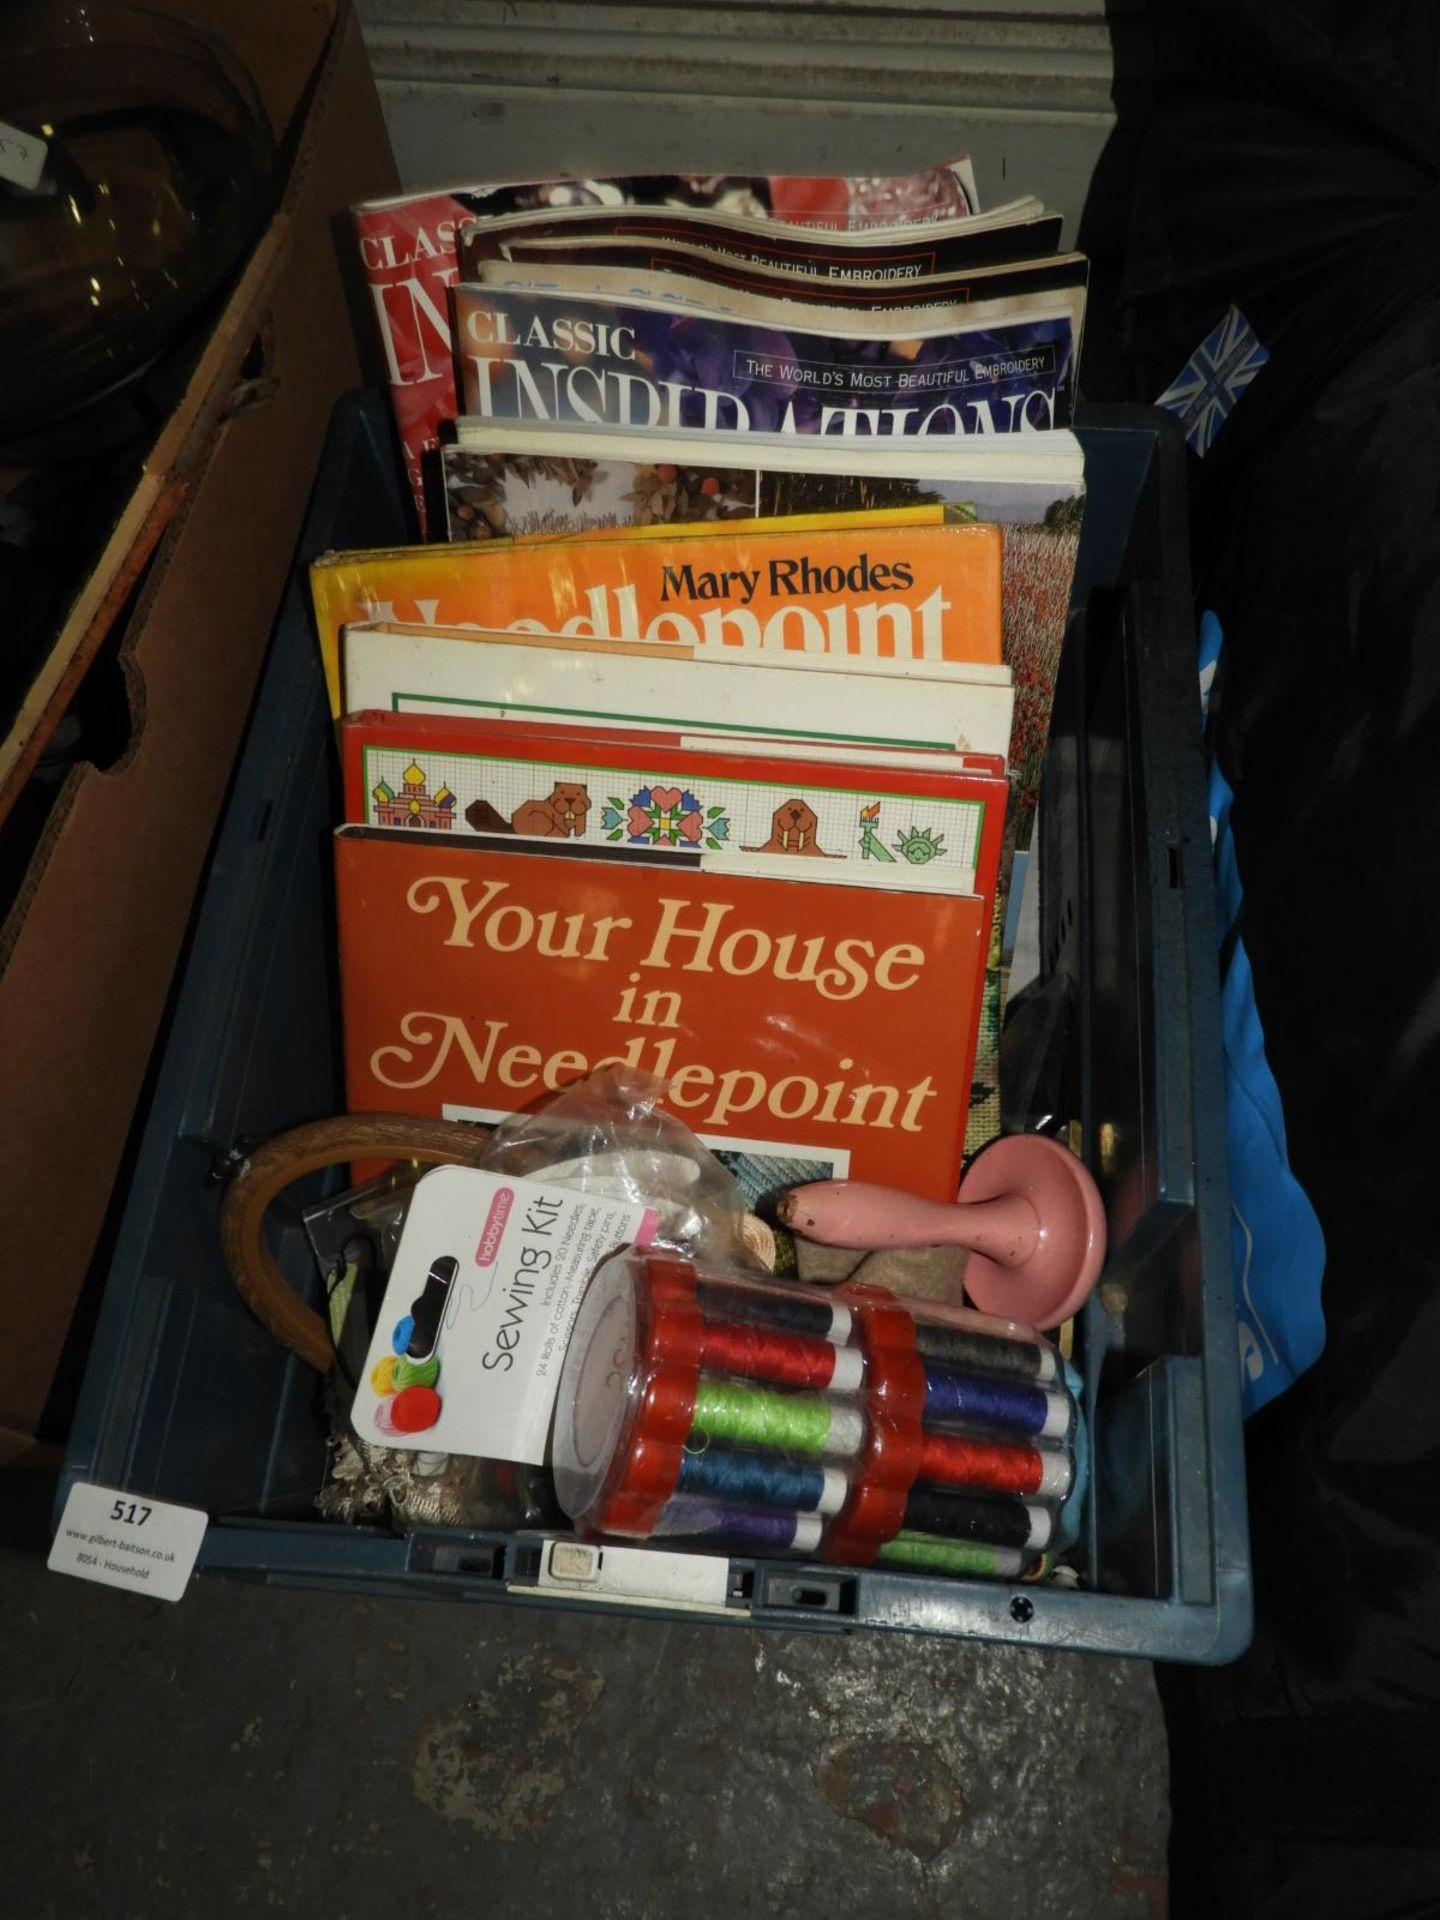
column 909, row 585
column 523, row 477
column 762, row 696
column 867, row 282
column 934, row 815
column 1019, row 234
column 667, row 351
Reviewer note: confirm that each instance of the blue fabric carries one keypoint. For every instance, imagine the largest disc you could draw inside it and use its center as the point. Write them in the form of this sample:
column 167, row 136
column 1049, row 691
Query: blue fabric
column 1279, row 1250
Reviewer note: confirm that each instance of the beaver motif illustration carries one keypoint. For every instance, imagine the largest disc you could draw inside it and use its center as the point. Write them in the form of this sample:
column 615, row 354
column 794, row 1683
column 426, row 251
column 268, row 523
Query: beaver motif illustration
column 560, row 816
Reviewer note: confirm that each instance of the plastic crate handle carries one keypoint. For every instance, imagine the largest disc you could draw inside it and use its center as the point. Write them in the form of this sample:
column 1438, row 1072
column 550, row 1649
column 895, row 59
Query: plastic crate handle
column 265, row 1174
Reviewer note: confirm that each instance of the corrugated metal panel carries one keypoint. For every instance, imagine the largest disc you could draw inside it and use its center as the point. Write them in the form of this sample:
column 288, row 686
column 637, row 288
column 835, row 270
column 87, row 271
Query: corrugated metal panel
column 511, row 88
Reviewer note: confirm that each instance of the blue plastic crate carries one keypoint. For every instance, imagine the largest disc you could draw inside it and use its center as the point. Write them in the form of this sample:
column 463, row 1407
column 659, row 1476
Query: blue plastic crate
column 187, row 1399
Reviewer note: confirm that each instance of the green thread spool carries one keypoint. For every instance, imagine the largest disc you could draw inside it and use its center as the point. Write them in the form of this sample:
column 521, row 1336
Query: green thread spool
column 416, row 1373
column 932, row 1553
column 804, row 1423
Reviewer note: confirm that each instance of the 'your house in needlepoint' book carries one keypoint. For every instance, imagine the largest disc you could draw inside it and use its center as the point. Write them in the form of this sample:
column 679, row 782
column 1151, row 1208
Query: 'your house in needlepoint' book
column 812, row 1018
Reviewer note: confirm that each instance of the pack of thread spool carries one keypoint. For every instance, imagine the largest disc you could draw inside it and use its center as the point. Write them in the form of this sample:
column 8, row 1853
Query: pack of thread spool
column 708, row 1408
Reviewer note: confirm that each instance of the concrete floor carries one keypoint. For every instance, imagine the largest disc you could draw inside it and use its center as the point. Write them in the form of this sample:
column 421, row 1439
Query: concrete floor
column 258, row 1750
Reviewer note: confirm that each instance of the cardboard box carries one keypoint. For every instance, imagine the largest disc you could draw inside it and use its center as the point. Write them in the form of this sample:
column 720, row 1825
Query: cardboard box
column 88, row 950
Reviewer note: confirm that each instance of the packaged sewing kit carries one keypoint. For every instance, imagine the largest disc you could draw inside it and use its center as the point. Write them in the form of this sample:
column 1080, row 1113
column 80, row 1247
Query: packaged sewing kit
column 476, row 1318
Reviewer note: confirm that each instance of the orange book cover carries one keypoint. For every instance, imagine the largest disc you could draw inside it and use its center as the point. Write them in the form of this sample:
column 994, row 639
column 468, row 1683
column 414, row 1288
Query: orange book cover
column 820, row 1024
column 896, row 588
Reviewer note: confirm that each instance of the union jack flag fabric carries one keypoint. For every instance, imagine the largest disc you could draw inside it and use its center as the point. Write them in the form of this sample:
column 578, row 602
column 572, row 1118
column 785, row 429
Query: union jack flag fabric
column 1213, row 379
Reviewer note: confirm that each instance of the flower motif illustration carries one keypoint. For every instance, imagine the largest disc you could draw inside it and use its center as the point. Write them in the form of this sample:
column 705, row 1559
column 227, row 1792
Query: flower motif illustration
column 664, row 817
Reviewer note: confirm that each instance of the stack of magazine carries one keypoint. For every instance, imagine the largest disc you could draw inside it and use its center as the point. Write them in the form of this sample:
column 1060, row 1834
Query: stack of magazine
column 701, row 731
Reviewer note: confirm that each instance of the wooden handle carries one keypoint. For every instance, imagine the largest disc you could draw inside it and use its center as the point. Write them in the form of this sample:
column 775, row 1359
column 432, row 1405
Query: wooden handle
column 289, row 1157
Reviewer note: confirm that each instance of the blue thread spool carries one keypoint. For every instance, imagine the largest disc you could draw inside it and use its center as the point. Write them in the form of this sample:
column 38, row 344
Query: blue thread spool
column 1007, row 1406
column 753, row 1479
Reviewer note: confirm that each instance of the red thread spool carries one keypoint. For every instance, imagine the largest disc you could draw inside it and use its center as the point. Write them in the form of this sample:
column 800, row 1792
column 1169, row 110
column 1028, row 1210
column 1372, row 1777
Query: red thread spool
column 950, row 1460
column 791, row 1360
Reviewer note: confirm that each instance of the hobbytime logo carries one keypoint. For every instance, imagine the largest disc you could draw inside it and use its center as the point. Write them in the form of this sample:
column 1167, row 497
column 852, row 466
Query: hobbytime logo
column 494, row 1229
